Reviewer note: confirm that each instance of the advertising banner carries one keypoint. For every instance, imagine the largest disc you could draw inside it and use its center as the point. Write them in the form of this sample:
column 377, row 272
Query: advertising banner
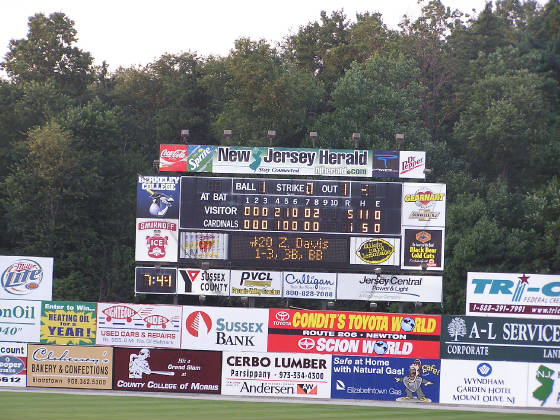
column 195, row 281
column 544, row 385
column 479, row 382
column 375, row 251
column 276, row 375
column 386, row 164
column 423, row 204
column 20, row 320
column 217, row 328
column 133, row 325
column 203, row 246
column 396, row 379
column 156, row 240
column 68, row 323
column 158, row 197
column 522, row 295
column 309, row 285
column 143, row 369
column 256, row 283
column 423, row 246
column 69, row 366
column 389, row 287
column 173, row 157
column 13, row 364
column 354, row 333
column 412, row 164
column 29, row 278
column 513, row 339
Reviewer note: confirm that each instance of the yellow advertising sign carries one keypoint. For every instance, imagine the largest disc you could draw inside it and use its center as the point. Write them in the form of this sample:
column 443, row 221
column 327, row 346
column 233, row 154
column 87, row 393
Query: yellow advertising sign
column 72, row 323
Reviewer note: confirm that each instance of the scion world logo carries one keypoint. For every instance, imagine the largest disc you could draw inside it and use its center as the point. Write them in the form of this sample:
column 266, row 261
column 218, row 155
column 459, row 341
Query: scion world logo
column 22, row 277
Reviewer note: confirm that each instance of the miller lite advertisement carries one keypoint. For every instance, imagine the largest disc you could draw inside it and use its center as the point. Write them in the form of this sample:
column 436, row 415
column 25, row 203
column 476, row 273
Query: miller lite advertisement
column 156, row 240
column 29, row 278
column 354, row 333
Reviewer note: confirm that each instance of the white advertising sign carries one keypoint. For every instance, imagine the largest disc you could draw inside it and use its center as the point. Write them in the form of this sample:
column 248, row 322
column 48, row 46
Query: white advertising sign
column 543, row 385
column 195, row 281
column 256, row 283
column 423, row 204
column 522, row 295
column 134, row 325
column 216, row 328
column 156, row 240
column 203, row 245
column 375, row 251
column 13, row 364
column 276, row 374
column 20, row 320
column 388, row 287
column 26, row 277
column 412, row 164
column 309, row 285
column 479, row 382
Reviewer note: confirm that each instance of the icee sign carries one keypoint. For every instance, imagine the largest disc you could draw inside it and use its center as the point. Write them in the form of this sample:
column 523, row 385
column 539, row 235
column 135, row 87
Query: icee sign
column 525, row 295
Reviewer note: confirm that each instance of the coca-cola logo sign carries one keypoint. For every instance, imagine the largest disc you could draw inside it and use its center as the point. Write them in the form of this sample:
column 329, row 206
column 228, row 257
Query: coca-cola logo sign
column 173, row 154
column 173, row 157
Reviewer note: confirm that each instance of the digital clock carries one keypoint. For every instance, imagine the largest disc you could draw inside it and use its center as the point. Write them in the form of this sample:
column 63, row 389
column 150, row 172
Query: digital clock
column 155, row 280
column 290, row 206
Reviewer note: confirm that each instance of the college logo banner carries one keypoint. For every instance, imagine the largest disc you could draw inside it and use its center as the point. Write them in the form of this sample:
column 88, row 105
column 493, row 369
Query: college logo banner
column 173, row 157
column 69, row 366
column 353, row 333
column 26, row 277
column 309, row 285
column 196, row 281
column 423, row 204
column 256, row 283
column 512, row 339
column 396, row 379
column 156, row 240
column 133, row 325
column 158, row 197
column 144, row 369
column 389, row 287
column 423, row 247
column 216, row 328
column 68, row 323
column 276, row 375
column 20, row 320
column 13, row 364
column 522, row 295
column 482, row 382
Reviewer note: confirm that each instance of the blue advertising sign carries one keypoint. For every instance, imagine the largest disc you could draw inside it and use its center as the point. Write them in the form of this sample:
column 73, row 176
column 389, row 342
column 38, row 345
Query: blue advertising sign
column 158, row 197
column 387, row 379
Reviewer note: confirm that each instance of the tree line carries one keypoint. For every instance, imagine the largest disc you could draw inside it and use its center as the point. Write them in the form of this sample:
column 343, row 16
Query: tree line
column 478, row 93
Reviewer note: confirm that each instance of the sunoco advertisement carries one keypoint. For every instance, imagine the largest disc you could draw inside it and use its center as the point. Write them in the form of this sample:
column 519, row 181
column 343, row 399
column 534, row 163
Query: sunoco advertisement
column 309, row 285
column 522, row 295
column 396, row 379
column 68, row 323
column 389, row 287
column 158, row 197
column 544, row 385
column 69, row 366
column 480, row 382
column 144, row 369
column 20, row 320
column 256, row 283
column 423, row 247
column 195, row 281
column 354, row 333
column 276, row 375
column 28, row 278
column 216, row 328
column 13, row 364
column 132, row 325
column 514, row 339
column 423, row 204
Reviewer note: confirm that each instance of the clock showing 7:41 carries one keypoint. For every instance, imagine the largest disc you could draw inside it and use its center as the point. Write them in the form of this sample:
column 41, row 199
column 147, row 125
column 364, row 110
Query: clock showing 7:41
column 155, row 280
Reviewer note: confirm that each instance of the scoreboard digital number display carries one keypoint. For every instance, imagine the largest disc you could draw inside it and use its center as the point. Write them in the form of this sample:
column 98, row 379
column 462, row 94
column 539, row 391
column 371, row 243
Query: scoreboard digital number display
column 290, row 206
column 155, row 280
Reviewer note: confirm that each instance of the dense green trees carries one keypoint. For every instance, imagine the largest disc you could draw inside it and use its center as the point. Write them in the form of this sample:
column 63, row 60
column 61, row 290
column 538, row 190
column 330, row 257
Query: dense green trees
column 478, row 93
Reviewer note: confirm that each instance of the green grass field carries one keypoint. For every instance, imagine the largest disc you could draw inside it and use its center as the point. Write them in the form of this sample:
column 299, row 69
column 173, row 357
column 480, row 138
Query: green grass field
column 39, row 406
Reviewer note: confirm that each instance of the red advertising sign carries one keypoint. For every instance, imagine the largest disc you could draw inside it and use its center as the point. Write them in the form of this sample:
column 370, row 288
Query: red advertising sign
column 143, row 369
column 173, row 157
column 354, row 333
